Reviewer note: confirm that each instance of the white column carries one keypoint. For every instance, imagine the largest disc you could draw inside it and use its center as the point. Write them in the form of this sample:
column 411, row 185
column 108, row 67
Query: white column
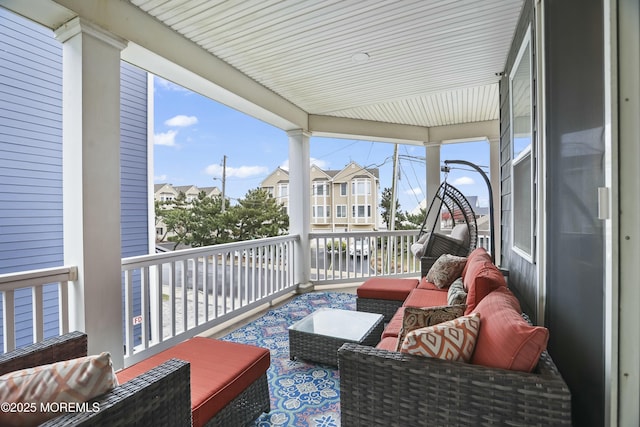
column 299, row 198
column 91, row 182
column 494, row 178
column 432, row 153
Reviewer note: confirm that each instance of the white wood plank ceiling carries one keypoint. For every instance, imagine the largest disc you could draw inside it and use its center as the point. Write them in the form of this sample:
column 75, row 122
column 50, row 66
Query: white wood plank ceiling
column 431, row 62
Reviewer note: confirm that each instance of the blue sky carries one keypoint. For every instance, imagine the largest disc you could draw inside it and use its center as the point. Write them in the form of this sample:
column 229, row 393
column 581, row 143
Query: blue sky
column 192, row 134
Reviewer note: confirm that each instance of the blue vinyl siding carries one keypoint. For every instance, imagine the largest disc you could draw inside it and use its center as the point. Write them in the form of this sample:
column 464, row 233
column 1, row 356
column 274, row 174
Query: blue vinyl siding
column 30, row 161
column 31, row 223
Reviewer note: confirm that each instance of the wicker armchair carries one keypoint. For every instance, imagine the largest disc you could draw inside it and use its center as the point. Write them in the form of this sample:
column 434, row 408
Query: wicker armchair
column 159, row 397
column 385, row 388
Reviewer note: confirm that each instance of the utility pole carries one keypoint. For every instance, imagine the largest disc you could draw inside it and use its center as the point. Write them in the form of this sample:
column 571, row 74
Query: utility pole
column 224, row 181
column 394, row 189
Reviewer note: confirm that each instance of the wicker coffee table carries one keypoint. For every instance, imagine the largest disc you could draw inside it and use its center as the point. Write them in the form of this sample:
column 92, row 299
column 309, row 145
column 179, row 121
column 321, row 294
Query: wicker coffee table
column 318, row 336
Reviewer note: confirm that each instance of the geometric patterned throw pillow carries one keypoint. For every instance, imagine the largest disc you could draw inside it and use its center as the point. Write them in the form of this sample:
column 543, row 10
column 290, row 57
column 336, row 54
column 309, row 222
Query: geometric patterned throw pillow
column 453, row 340
column 54, row 386
column 445, row 270
column 416, row 318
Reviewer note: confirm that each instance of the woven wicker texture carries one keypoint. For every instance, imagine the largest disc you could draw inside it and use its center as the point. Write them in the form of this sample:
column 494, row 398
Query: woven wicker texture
column 381, row 306
column 246, row 407
column 159, row 397
column 384, row 388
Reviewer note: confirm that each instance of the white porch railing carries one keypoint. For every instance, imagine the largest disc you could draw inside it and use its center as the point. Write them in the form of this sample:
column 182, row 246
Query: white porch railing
column 355, row 256
column 179, row 294
column 35, row 280
column 186, row 292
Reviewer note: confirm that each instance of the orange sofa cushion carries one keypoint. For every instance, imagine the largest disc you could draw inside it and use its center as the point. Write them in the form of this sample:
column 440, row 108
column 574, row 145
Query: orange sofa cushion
column 220, row 371
column 395, row 325
column 386, row 288
column 426, row 298
column 505, row 339
column 388, row 343
column 482, row 278
column 478, row 254
column 424, row 284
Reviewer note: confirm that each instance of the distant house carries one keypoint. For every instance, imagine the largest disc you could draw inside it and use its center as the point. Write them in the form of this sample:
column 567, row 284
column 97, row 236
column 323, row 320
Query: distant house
column 167, row 193
column 341, row 200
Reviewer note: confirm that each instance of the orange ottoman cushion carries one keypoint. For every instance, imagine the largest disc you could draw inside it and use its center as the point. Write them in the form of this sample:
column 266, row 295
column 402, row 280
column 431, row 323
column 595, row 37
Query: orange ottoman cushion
column 386, row 288
column 505, row 339
column 426, row 298
column 220, row 371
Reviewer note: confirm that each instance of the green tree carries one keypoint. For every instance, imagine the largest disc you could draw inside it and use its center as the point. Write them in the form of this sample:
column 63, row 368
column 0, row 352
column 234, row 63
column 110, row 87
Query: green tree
column 208, row 225
column 414, row 221
column 175, row 215
column 259, row 215
column 385, row 204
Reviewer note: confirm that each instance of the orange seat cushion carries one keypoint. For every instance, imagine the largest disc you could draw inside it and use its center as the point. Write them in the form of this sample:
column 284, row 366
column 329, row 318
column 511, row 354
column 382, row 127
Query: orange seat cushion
column 386, row 288
column 388, row 343
column 395, row 325
column 426, row 298
column 220, row 371
column 505, row 339
column 424, row 284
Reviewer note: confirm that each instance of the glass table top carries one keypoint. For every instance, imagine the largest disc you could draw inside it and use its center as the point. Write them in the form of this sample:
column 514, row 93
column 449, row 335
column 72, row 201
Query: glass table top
column 332, row 322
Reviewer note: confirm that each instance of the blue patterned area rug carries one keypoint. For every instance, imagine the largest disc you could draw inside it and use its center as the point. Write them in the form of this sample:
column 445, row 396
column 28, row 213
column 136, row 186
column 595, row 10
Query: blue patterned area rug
column 302, row 394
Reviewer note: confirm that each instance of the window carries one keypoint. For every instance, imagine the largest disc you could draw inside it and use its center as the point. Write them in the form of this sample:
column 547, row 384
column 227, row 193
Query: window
column 343, row 189
column 319, row 189
column 341, row 211
column 361, row 187
column 283, row 190
column 320, row 211
column 361, row 211
column 269, row 190
column 522, row 164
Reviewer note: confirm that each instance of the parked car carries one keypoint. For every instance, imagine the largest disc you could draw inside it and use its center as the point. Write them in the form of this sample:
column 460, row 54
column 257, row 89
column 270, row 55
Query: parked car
column 359, row 247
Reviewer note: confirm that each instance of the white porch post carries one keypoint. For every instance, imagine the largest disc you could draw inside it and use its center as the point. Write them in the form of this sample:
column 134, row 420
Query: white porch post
column 299, row 210
column 91, row 182
column 432, row 153
column 494, row 178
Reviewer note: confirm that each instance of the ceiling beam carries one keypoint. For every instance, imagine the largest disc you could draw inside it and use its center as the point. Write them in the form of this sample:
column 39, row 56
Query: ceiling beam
column 340, row 127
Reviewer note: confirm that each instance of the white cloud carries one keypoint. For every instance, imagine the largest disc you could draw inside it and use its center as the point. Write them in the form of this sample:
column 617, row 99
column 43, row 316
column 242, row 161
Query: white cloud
column 165, row 138
column 240, row 172
column 181, row 121
column 414, row 191
column 463, row 180
column 322, row 164
column 167, row 85
column 160, row 178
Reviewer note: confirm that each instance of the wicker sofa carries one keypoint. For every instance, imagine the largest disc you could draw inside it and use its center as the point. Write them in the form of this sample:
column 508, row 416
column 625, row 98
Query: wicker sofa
column 159, row 397
column 382, row 386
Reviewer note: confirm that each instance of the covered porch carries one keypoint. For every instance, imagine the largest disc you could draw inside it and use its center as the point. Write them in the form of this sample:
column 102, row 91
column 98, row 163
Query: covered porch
column 421, row 73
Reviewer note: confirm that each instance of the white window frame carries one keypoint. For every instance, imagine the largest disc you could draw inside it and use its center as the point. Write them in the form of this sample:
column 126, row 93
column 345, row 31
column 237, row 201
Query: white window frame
column 521, row 157
column 318, row 185
column 366, row 184
column 326, row 211
column 344, row 188
column 366, row 209
column 342, row 208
